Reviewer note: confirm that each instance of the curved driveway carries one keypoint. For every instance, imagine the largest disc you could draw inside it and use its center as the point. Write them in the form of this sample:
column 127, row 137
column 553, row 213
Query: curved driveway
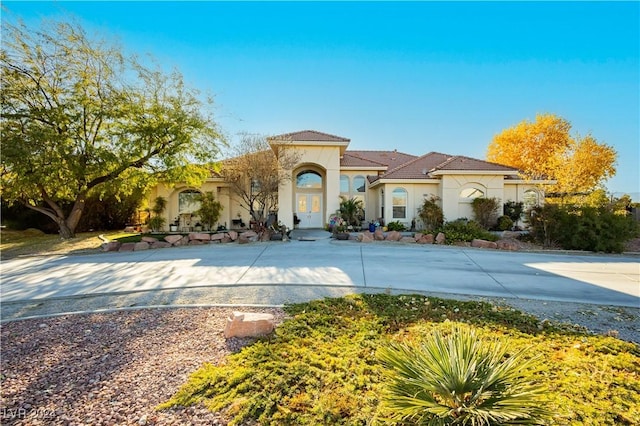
column 275, row 273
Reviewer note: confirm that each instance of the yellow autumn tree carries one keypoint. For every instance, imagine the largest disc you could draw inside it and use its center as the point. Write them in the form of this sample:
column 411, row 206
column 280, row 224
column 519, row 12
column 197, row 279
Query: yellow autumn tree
column 545, row 149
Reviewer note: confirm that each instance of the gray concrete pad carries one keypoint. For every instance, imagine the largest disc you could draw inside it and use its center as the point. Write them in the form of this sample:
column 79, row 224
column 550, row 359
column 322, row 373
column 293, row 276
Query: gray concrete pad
column 275, row 272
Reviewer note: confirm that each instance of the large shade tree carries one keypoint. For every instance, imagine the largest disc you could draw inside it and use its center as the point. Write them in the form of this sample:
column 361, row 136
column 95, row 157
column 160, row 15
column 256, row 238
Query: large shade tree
column 77, row 115
column 255, row 172
column 546, row 149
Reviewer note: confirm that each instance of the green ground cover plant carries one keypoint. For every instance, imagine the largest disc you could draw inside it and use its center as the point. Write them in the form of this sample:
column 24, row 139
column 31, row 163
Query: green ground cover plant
column 466, row 230
column 323, row 364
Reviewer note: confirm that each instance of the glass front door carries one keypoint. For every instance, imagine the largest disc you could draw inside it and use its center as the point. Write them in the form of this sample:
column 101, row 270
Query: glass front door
column 309, row 210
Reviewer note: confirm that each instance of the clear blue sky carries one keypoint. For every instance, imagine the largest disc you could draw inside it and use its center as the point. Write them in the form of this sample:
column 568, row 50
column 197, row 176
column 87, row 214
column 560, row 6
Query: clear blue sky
column 418, row 77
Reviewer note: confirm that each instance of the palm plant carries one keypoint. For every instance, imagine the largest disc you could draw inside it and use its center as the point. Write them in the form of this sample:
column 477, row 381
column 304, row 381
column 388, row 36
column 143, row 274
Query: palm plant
column 351, row 210
column 459, row 379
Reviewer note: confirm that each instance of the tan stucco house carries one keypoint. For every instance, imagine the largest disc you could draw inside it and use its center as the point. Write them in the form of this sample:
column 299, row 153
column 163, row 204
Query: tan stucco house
column 392, row 184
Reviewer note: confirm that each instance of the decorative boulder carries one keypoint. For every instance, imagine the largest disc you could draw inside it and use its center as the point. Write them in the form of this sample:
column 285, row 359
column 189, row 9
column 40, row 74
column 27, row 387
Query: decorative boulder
column 233, row 235
column 172, row 239
column 365, row 237
column 142, row 245
column 440, row 238
column 483, row 244
column 127, row 247
column 149, row 240
column 217, row 237
column 160, row 244
column 426, row 239
column 248, row 324
column 378, row 235
column 111, row 246
column 248, row 237
column 199, row 236
column 393, row 236
column 407, row 240
column 508, row 245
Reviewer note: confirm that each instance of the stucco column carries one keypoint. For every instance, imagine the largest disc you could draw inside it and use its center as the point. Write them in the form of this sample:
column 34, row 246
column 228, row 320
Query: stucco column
column 332, row 183
column 285, row 203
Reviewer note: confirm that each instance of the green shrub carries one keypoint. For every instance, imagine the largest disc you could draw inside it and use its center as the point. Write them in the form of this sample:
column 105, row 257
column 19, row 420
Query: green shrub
column 396, row 226
column 504, row 223
column 321, row 366
column 485, row 211
column 460, row 378
column 351, row 210
column 514, row 210
column 431, row 214
column 466, row 230
column 209, row 211
column 581, row 228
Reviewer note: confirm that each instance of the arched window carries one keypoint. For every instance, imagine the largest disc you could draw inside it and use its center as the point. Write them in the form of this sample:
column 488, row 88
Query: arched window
column 471, row 193
column 344, row 184
column 358, row 184
column 531, row 199
column 188, row 201
column 309, row 179
column 399, row 200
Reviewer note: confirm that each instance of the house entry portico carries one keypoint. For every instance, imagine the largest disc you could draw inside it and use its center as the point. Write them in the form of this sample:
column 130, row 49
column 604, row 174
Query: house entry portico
column 309, row 191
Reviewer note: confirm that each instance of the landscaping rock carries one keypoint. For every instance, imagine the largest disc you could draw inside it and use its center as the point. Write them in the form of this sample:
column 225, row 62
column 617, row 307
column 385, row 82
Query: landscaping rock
column 407, row 240
column 508, row 245
column 483, row 244
column 182, row 241
column 142, row 245
column 248, row 324
column 199, row 236
column 233, row 235
column 149, row 240
column 440, row 238
column 426, row 239
column 111, row 246
column 160, row 244
column 378, row 235
column 196, row 242
column 247, row 237
column 365, row 237
column 127, row 247
column 226, row 239
column 393, row 236
column 172, row 239
column 217, row 237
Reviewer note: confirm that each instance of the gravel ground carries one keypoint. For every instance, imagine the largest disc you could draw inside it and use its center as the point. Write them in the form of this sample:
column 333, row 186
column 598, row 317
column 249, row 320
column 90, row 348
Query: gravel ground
column 110, row 368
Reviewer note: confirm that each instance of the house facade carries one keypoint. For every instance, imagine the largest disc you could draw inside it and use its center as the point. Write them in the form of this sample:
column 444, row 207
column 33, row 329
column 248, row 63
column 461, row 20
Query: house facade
column 392, row 185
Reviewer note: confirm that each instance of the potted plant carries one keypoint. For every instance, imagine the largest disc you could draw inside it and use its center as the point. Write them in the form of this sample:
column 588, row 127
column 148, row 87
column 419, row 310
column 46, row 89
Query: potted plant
column 173, row 227
column 340, row 229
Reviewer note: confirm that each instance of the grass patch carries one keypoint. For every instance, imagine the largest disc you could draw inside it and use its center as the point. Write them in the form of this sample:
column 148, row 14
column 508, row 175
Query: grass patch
column 35, row 242
column 322, row 366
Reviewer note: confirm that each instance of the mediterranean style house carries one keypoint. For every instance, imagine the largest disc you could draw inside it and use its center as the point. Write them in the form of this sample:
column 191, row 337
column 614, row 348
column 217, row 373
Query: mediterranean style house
column 392, row 185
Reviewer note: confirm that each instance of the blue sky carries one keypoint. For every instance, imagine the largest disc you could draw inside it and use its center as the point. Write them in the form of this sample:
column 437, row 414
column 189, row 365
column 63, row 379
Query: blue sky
column 415, row 76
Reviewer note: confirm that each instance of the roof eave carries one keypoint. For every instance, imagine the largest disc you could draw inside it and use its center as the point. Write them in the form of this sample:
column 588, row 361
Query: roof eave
column 474, row 172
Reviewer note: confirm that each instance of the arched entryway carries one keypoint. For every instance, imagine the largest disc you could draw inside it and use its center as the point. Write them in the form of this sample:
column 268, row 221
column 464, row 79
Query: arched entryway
column 309, row 185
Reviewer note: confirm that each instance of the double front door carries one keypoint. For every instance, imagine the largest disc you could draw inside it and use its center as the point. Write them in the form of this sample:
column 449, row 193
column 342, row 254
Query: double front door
column 309, row 210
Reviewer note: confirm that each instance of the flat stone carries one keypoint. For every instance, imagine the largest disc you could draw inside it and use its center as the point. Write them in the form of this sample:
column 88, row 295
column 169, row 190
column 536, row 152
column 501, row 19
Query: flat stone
column 196, row 242
column 172, row 239
column 182, row 241
column 111, row 246
column 127, row 247
column 142, row 245
column 441, row 238
column 483, row 244
column 160, row 244
column 508, row 245
column 149, row 240
column 199, row 236
column 393, row 236
column 215, row 237
column 248, row 324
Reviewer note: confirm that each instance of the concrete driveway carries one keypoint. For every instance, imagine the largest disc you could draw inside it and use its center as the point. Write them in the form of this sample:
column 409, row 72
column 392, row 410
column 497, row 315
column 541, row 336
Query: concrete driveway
column 274, row 273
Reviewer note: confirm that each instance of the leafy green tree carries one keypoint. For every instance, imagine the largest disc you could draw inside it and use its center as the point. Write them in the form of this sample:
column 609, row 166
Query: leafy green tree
column 209, row 211
column 460, row 379
column 77, row 114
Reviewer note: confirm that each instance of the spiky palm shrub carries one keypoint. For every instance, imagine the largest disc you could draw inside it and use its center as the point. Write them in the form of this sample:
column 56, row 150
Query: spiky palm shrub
column 460, row 379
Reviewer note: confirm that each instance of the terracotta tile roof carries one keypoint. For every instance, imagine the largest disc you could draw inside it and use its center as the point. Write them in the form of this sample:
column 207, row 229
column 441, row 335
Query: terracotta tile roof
column 349, row 160
column 391, row 159
column 424, row 166
column 310, row 135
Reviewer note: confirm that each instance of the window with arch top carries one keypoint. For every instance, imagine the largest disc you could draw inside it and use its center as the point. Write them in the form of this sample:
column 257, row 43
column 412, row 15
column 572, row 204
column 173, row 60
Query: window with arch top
column 344, row 184
column 188, row 201
column 309, row 179
column 358, row 184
